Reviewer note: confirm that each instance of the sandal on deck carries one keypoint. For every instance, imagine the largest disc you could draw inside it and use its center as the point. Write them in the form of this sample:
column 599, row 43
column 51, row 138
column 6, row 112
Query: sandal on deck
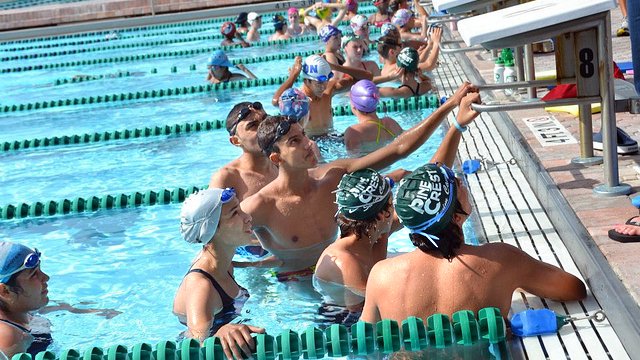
column 624, row 238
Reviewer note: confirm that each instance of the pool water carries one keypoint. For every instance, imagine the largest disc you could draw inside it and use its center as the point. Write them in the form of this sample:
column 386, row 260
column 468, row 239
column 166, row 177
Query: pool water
column 132, row 260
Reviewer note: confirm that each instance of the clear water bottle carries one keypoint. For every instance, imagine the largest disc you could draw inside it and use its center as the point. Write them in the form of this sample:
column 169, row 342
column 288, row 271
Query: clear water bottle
column 509, row 75
column 498, row 71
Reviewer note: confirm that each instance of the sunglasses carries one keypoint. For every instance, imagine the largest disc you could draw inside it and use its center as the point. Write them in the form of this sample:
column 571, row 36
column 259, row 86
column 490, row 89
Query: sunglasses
column 227, row 194
column 242, row 115
column 30, row 262
column 282, row 130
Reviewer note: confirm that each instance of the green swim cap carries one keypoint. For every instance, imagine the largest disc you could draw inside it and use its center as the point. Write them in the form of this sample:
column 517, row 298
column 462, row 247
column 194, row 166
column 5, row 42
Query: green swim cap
column 362, row 194
column 408, row 59
column 425, row 198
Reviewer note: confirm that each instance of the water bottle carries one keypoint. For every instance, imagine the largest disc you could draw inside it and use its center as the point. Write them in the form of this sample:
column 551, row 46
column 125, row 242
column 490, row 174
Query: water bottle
column 509, row 75
column 498, row 71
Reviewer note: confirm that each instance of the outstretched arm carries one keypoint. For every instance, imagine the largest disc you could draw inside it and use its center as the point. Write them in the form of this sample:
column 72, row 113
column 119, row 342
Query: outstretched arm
column 447, row 150
column 246, row 71
column 409, row 140
column 355, row 73
column 294, row 72
column 431, row 61
column 341, row 13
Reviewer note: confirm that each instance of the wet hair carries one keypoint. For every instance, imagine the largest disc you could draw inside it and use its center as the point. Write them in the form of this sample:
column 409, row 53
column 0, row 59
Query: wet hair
column 386, row 43
column 13, row 286
column 267, row 131
column 361, row 228
column 233, row 114
column 451, row 237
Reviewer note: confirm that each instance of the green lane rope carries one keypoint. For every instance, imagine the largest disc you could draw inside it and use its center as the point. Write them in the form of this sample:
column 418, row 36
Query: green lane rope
column 96, row 203
column 156, row 43
column 386, row 336
column 415, row 103
column 183, row 128
column 364, row 11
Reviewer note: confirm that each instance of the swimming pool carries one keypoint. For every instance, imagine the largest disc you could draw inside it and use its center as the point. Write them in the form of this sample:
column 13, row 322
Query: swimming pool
column 132, row 260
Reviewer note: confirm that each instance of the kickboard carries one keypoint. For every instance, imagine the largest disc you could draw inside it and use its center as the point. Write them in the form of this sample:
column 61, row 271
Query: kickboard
column 572, row 109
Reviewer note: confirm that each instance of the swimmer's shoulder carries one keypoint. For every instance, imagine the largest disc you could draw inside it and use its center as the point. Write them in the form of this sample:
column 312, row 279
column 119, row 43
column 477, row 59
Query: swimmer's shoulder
column 226, row 176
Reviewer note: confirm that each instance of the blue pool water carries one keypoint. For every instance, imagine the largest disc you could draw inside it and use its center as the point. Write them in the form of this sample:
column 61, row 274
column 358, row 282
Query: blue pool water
column 133, row 260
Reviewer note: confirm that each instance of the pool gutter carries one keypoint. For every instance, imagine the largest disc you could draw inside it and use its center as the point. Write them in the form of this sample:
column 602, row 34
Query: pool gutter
column 622, row 310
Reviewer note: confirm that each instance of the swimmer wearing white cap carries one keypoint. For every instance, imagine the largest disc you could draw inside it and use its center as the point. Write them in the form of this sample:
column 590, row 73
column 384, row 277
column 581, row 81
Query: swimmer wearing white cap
column 255, row 20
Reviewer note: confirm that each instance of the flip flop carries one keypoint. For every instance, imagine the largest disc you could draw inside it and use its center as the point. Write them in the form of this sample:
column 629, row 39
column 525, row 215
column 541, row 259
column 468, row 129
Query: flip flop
column 624, row 238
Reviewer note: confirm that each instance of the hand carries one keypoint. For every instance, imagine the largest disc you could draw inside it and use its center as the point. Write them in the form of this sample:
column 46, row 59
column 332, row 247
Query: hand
column 236, row 337
column 241, row 67
column 297, row 66
column 462, row 91
column 465, row 113
column 397, row 73
column 436, row 34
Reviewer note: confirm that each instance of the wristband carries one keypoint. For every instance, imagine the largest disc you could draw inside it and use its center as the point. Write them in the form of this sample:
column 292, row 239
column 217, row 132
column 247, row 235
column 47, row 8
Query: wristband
column 459, row 127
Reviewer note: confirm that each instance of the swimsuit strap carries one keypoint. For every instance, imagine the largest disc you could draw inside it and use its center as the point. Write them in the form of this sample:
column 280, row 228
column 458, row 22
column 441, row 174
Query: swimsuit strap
column 381, row 127
column 20, row 327
column 413, row 91
column 226, row 299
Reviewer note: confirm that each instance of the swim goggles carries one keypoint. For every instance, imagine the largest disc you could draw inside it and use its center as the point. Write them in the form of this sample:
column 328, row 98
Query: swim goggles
column 242, row 115
column 227, row 194
column 30, row 262
column 323, row 78
column 282, row 130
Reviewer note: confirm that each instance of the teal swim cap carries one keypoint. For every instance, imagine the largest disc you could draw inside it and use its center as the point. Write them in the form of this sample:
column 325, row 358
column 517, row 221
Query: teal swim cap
column 425, row 200
column 15, row 258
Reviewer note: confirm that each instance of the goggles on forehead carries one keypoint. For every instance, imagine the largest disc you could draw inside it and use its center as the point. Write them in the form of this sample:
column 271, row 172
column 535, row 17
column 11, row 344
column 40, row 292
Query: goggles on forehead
column 282, row 130
column 30, row 262
column 244, row 112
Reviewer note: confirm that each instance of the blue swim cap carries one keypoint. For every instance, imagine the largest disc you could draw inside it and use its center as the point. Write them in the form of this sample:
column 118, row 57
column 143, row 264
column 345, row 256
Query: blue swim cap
column 327, row 31
column 294, row 103
column 219, row 58
column 13, row 257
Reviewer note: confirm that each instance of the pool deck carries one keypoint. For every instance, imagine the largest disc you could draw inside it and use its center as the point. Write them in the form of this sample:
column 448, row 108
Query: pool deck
column 596, row 214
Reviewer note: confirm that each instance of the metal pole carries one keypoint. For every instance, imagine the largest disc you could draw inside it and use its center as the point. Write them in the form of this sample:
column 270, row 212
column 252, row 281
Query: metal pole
column 530, row 71
column 153, row 8
column 612, row 185
column 586, row 138
column 519, row 62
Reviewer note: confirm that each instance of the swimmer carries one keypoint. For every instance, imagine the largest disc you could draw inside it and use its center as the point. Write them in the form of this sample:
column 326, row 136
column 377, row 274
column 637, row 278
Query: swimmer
column 352, row 9
column 404, row 19
column 353, row 47
column 23, row 290
column 320, row 84
column 255, row 20
column 279, row 26
column 293, row 216
column 323, row 12
column 414, row 83
column 331, row 36
column 218, row 66
column 228, row 31
column 343, row 267
column 242, row 23
column 383, row 15
column 460, row 276
column 389, row 47
column 296, row 25
column 209, row 296
column 360, row 26
column 371, row 132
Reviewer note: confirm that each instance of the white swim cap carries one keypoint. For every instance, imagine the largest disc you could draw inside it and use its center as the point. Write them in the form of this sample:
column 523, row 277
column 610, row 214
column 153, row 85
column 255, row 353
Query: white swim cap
column 315, row 67
column 200, row 214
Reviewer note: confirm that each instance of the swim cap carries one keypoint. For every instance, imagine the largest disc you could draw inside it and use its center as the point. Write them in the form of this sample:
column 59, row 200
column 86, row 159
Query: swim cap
column 200, row 214
column 386, row 28
column 323, row 13
column 292, row 11
column 315, row 67
column 351, row 5
column 358, row 22
column 301, row 15
column 347, row 37
column 365, row 96
column 294, row 103
column 242, row 18
column 219, row 58
column 401, row 17
column 327, row 31
column 228, row 29
column 362, row 194
column 13, row 257
column 279, row 22
column 408, row 59
column 253, row 16
column 425, row 198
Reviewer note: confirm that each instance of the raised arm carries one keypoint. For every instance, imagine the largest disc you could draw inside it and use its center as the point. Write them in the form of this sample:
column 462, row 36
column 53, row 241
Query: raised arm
column 294, row 72
column 341, row 13
column 409, row 140
column 355, row 73
column 447, row 150
column 431, row 61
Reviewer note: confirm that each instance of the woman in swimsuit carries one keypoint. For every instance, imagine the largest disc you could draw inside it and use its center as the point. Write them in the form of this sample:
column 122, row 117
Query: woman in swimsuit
column 371, row 132
column 332, row 37
column 296, row 25
column 23, row 290
column 382, row 16
column 353, row 47
column 208, row 295
column 414, row 83
column 218, row 71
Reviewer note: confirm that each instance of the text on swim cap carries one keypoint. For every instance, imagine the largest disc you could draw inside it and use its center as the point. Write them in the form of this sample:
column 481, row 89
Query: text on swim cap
column 428, row 192
column 310, row 68
column 364, row 192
